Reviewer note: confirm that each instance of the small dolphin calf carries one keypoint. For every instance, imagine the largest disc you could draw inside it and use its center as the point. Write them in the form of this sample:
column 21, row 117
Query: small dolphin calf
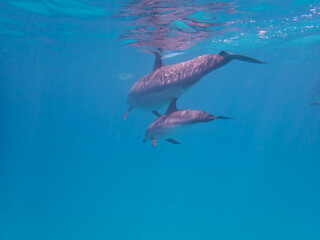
column 166, row 83
column 315, row 103
column 173, row 120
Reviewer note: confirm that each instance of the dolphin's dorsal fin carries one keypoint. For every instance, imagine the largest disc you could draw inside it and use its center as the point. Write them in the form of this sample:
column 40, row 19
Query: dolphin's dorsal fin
column 173, row 106
column 158, row 62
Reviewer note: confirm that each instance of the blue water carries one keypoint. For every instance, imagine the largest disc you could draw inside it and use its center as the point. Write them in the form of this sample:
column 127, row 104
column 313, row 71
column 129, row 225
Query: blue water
column 72, row 168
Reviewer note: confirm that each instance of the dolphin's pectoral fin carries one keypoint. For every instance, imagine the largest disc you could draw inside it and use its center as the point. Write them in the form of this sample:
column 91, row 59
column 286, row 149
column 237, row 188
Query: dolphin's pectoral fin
column 170, row 140
column 125, row 116
column 156, row 113
column 154, row 142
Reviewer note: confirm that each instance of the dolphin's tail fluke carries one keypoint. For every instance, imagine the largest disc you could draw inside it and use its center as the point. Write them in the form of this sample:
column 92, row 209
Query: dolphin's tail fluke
column 239, row 57
column 212, row 117
column 222, row 117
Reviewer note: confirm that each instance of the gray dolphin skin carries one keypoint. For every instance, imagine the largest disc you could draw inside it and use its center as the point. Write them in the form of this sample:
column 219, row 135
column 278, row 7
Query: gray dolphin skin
column 315, row 103
column 173, row 120
column 167, row 82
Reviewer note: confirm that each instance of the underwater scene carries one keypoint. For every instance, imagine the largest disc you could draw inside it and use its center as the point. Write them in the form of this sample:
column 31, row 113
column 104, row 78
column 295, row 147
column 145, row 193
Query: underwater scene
column 158, row 119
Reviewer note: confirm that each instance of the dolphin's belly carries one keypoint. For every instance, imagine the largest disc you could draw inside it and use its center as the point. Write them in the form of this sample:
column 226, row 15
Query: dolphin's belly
column 166, row 132
column 150, row 101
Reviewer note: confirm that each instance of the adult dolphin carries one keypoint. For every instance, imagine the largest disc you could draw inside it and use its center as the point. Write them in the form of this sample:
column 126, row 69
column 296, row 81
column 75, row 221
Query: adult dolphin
column 167, row 82
column 173, row 120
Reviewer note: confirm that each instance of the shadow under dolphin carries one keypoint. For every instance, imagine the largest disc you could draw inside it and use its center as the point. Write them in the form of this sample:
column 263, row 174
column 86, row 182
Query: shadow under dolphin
column 167, row 82
column 173, row 120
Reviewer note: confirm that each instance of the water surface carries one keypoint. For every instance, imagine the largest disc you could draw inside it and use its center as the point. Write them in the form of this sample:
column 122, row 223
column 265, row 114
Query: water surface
column 72, row 168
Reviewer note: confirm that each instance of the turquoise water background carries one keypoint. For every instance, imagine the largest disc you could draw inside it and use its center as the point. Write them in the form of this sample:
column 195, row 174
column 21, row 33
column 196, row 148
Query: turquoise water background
column 72, row 168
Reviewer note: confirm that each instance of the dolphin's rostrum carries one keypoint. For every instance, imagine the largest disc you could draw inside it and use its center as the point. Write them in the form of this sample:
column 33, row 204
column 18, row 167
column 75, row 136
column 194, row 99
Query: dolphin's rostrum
column 167, row 82
column 166, row 125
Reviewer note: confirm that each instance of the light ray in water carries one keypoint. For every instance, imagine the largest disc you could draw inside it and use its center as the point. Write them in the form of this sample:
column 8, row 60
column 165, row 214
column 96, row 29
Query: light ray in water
column 170, row 55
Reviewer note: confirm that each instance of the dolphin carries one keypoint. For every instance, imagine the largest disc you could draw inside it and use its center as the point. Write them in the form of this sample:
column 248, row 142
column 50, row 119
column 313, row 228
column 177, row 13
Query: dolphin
column 315, row 103
column 167, row 82
column 173, row 120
